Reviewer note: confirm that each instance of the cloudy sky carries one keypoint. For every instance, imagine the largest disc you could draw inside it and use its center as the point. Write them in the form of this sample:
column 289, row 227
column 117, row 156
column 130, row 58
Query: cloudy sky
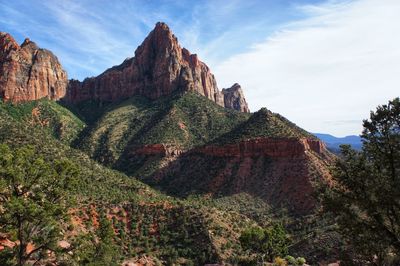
column 322, row 64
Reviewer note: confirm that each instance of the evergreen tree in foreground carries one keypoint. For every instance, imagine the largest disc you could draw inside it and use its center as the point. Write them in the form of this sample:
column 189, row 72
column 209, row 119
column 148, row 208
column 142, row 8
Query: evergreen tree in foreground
column 268, row 242
column 365, row 196
column 33, row 201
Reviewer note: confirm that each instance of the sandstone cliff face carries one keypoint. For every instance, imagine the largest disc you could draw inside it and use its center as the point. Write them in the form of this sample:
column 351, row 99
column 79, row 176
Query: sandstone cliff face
column 28, row 72
column 281, row 171
column 160, row 67
column 234, row 98
column 272, row 147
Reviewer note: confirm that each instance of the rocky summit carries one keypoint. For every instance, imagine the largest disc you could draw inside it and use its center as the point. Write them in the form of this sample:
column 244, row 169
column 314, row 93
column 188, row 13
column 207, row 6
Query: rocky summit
column 234, row 98
column 160, row 67
column 28, row 72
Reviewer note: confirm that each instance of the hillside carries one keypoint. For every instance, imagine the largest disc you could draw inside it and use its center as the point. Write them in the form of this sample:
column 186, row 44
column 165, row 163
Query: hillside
column 47, row 115
column 142, row 215
column 179, row 167
column 164, row 142
column 179, row 123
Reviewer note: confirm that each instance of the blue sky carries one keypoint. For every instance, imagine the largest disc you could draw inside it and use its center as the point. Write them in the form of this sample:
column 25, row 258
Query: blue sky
column 322, row 64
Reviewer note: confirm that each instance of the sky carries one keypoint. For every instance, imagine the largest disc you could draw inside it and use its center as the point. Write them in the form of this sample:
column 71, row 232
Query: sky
column 323, row 64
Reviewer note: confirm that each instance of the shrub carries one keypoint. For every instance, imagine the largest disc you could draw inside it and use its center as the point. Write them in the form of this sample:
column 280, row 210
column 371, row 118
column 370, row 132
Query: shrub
column 291, row 260
column 278, row 261
column 300, row 261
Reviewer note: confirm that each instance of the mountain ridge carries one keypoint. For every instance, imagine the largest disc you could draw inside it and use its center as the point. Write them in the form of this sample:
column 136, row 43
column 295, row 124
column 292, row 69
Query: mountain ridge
column 160, row 67
column 334, row 143
column 159, row 119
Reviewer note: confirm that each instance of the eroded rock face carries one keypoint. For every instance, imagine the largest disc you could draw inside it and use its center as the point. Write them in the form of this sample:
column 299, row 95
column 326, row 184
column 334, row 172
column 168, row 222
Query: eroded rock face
column 28, row 72
column 234, row 98
column 281, row 171
column 272, row 147
column 160, row 67
column 157, row 149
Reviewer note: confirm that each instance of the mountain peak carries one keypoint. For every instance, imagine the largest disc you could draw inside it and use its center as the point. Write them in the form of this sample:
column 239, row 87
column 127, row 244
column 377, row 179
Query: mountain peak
column 234, row 98
column 160, row 67
column 29, row 44
column 28, row 73
column 160, row 42
column 7, row 43
column 162, row 26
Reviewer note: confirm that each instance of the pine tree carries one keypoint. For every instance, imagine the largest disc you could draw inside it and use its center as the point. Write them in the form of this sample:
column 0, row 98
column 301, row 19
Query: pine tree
column 106, row 253
column 33, row 200
column 365, row 196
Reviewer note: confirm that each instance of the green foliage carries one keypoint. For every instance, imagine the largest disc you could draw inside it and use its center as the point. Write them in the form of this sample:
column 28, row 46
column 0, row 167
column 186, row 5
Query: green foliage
column 99, row 250
column 253, row 239
column 46, row 114
column 270, row 242
column 264, row 123
column 291, row 260
column 33, row 201
column 179, row 121
column 300, row 261
column 174, row 231
column 366, row 195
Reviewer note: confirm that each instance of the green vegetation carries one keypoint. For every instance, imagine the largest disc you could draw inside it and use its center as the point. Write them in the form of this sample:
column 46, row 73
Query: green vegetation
column 102, row 252
column 264, row 123
column 45, row 114
column 33, row 202
column 164, row 228
column 179, row 121
column 267, row 243
column 118, row 217
column 365, row 198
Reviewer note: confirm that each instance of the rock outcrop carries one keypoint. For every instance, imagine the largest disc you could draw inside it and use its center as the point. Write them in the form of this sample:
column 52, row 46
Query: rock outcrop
column 157, row 149
column 28, row 72
column 234, row 98
column 281, row 171
column 160, row 67
column 272, row 147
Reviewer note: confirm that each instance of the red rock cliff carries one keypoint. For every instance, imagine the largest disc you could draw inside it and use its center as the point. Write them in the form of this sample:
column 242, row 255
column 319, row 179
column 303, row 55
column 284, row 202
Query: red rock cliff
column 160, row 67
column 28, row 72
column 234, row 98
column 272, row 147
column 281, row 171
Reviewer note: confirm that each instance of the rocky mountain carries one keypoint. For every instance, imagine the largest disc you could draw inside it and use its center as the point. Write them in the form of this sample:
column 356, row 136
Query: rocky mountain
column 160, row 67
column 28, row 72
column 160, row 119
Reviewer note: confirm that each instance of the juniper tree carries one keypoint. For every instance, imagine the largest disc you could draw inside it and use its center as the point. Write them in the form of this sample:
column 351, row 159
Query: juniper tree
column 33, row 202
column 365, row 196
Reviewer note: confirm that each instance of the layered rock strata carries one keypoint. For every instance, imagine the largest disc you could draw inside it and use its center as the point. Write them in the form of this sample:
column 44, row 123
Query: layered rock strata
column 281, row 171
column 159, row 68
column 28, row 72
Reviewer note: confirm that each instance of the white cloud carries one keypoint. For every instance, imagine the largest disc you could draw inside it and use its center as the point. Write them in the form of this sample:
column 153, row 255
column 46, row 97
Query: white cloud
column 326, row 70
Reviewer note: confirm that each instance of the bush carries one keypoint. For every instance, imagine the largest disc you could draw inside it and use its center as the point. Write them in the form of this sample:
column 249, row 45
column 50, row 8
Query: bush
column 300, row 261
column 278, row 261
column 291, row 260
column 271, row 242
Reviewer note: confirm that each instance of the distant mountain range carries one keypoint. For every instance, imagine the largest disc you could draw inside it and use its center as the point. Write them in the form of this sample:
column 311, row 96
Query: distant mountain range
column 333, row 143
